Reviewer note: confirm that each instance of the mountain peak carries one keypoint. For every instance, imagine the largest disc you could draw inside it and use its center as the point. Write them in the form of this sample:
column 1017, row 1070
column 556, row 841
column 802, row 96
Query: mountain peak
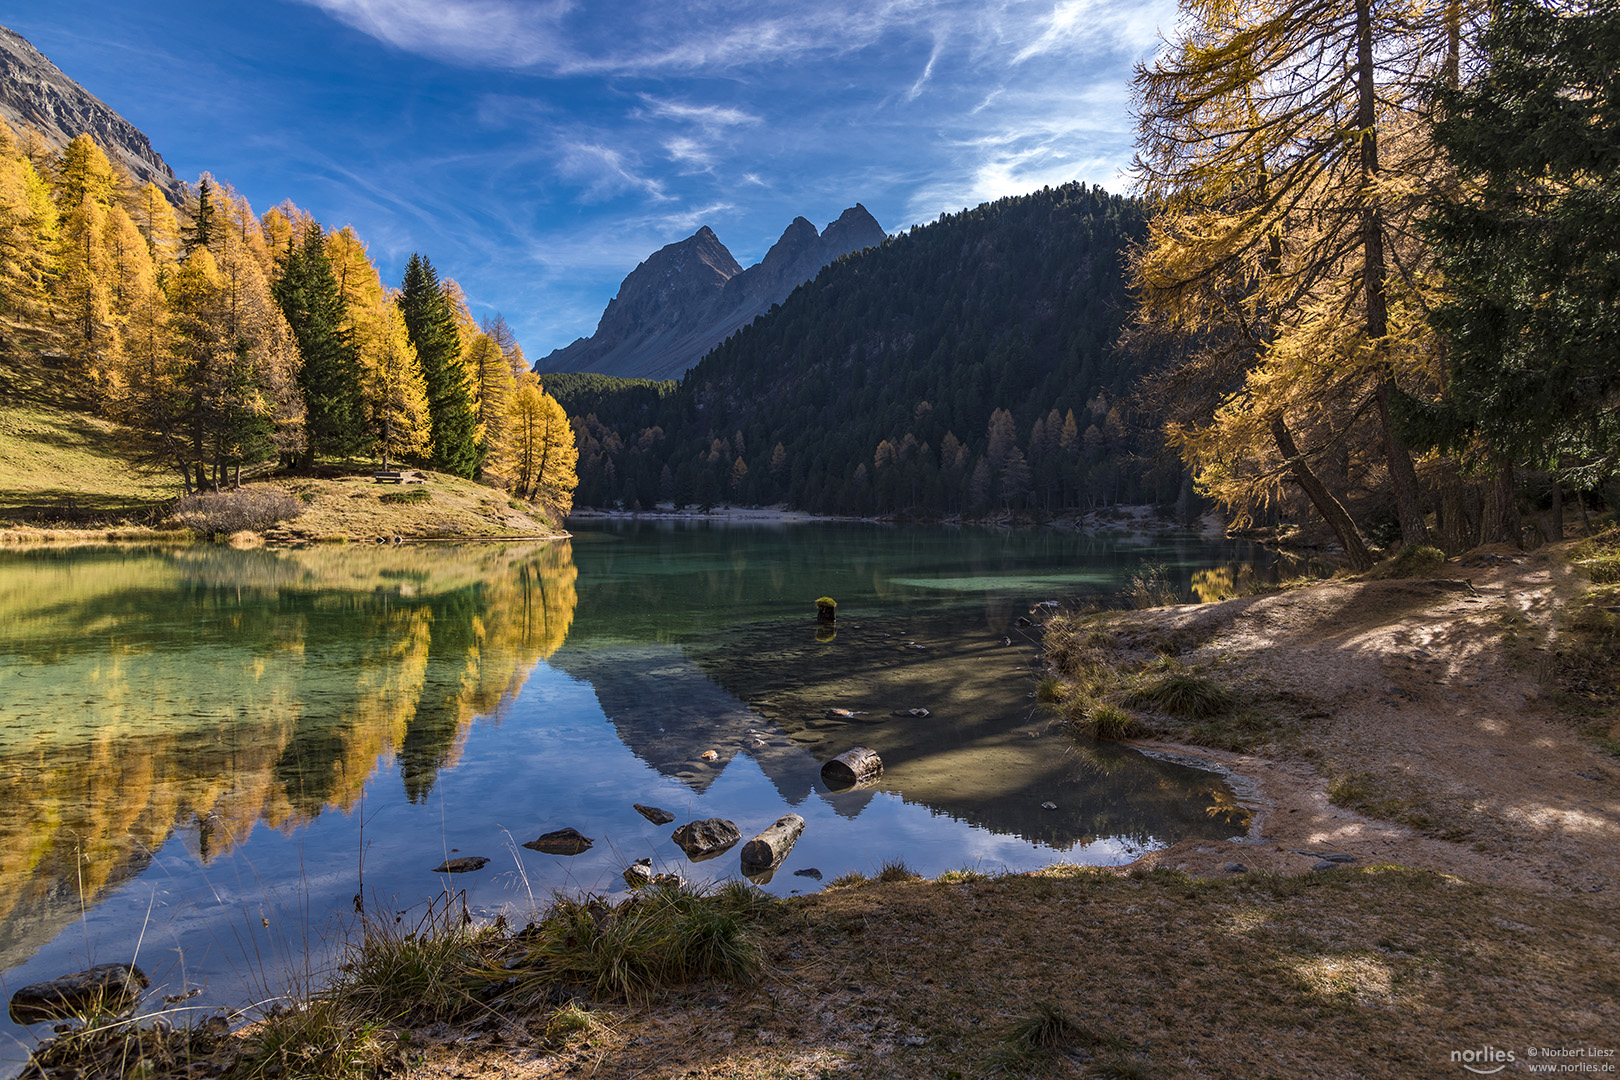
column 687, row 297
column 35, row 94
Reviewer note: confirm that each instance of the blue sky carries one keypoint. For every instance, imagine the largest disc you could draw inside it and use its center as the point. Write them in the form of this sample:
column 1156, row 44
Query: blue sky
column 536, row 150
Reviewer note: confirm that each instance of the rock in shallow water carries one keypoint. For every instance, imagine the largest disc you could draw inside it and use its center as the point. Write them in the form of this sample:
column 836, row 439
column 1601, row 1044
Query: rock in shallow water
column 561, row 842
column 464, row 865
column 706, row 839
column 654, row 814
column 112, row 988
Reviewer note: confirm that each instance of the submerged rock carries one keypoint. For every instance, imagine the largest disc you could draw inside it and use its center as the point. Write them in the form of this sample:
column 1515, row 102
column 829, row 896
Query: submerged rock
column 706, row 839
column 106, row 988
column 561, row 842
column 809, row 872
column 466, row 864
column 654, row 814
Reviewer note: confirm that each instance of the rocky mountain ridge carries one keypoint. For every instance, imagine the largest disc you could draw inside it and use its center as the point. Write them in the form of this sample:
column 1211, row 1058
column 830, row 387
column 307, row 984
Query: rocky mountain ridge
column 36, row 95
column 689, row 296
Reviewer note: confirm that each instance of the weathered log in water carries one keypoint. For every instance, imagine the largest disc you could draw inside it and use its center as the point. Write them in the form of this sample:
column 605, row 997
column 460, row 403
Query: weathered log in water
column 767, row 850
column 856, row 765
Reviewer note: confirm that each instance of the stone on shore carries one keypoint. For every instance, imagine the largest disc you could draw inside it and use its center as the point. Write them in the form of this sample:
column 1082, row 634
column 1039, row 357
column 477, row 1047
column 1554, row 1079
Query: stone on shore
column 105, row 988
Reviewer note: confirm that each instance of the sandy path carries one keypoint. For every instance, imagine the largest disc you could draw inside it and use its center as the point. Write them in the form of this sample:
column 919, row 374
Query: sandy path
column 1428, row 688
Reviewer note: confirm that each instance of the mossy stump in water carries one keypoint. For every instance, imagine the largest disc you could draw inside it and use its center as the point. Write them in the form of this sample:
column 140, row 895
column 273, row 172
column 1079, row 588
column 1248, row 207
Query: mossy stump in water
column 826, row 610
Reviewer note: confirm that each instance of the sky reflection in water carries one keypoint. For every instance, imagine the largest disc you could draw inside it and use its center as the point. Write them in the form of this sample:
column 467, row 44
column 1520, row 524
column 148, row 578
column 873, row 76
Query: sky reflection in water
column 203, row 742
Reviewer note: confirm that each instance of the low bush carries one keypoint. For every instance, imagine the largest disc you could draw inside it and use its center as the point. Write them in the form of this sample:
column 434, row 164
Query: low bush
column 318, row 1038
column 1181, row 693
column 429, row 973
column 226, row 512
column 1151, row 587
column 894, row 870
column 409, row 497
column 663, row 937
column 1105, row 721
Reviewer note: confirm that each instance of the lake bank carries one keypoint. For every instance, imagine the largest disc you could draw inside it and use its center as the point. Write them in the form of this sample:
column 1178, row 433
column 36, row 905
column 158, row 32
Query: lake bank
column 335, row 508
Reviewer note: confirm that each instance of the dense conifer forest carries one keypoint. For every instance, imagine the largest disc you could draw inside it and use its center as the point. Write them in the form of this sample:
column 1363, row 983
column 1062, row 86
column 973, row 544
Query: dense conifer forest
column 965, row 367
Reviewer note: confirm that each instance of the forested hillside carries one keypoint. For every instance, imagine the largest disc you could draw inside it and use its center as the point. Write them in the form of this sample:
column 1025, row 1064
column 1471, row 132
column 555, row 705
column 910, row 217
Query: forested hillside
column 968, row 366
column 230, row 344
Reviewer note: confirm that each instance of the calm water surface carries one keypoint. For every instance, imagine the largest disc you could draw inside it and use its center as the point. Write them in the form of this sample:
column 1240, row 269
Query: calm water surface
column 208, row 755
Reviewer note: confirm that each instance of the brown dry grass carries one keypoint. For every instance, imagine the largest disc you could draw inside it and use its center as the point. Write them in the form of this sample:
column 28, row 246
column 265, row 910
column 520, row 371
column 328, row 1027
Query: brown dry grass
column 1367, row 973
column 351, row 508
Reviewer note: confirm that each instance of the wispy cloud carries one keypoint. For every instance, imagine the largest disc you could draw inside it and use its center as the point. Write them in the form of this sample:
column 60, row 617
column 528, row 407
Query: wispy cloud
column 604, row 172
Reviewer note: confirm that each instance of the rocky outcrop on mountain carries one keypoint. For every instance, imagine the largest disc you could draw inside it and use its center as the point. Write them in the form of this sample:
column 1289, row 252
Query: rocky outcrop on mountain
column 691, row 295
column 35, row 94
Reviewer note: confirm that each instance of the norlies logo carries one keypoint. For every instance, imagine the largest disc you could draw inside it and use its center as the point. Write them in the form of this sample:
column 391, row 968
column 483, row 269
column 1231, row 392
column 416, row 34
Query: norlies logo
column 1484, row 1061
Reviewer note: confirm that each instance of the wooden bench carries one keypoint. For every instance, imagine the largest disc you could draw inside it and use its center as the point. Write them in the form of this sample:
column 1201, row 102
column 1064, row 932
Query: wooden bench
column 388, row 477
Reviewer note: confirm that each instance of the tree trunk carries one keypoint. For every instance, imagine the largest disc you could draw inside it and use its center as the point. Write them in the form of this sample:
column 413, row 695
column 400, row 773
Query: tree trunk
column 1332, row 511
column 1402, row 475
column 1502, row 509
column 1455, row 532
column 1555, row 519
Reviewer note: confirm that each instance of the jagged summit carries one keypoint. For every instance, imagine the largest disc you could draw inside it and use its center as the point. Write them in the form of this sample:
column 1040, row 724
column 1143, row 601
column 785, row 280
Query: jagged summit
column 34, row 93
column 689, row 296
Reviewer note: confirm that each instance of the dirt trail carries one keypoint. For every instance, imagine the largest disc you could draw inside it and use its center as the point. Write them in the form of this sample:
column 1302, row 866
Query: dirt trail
column 1421, row 696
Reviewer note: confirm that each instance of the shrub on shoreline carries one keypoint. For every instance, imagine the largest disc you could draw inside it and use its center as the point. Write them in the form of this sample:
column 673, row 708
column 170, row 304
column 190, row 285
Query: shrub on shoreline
column 227, row 512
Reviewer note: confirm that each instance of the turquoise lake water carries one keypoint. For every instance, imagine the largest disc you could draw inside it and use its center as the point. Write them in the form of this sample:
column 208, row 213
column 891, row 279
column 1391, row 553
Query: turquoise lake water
column 211, row 754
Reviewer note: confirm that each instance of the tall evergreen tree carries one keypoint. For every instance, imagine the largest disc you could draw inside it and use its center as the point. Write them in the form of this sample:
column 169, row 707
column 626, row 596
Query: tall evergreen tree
column 329, row 371
column 1530, row 245
column 203, row 214
column 430, row 322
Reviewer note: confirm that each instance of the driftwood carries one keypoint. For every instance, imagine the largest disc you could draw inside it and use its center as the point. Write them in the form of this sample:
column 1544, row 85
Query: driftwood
column 767, row 850
column 854, row 766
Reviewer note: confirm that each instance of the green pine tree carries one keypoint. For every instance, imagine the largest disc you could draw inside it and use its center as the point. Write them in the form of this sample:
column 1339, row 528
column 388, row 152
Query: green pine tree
column 432, row 328
column 202, row 216
column 1530, row 245
column 329, row 372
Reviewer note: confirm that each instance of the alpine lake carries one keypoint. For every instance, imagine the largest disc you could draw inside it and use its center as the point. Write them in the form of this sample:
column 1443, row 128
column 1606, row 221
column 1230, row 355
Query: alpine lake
column 213, row 759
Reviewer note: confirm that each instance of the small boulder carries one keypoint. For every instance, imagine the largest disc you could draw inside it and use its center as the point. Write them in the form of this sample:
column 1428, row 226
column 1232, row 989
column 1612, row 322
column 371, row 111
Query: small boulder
column 1048, row 806
column 1235, row 868
column 466, row 864
column 710, row 755
column 639, row 874
column 706, row 839
column 921, row 714
column 107, row 988
column 654, row 814
column 561, row 842
column 810, row 872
